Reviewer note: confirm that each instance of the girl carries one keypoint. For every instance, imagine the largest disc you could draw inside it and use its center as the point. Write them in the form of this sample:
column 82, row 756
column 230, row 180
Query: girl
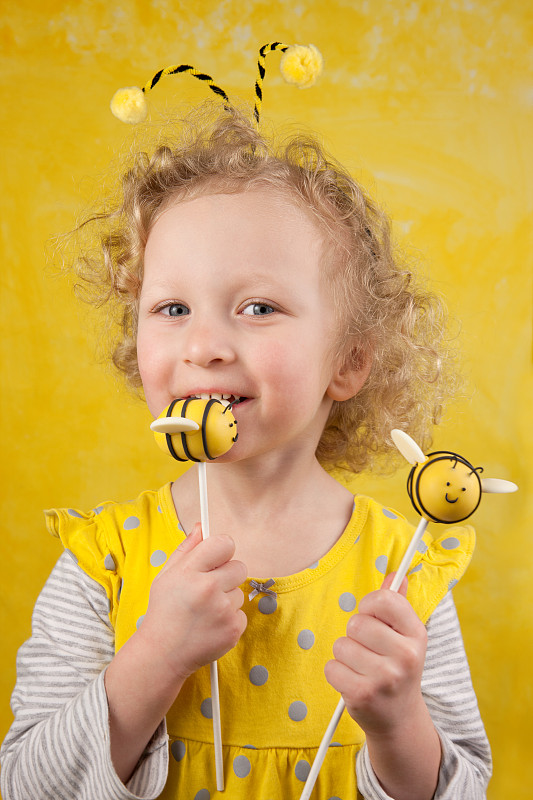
column 265, row 276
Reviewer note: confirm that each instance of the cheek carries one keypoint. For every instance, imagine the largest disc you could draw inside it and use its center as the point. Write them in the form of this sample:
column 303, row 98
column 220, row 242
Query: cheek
column 151, row 361
column 294, row 373
column 143, row 360
column 284, row 367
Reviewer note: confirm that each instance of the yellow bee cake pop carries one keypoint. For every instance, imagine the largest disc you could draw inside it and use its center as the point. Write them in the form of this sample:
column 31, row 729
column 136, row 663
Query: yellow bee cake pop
column 196, row 429
column 444, row 486
column 200, row 429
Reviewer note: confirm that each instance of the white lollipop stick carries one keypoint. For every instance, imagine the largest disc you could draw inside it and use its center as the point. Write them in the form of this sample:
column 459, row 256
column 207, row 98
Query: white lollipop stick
column 322, row 750
column 408, row 555
column 337, row 714
column 213, row 667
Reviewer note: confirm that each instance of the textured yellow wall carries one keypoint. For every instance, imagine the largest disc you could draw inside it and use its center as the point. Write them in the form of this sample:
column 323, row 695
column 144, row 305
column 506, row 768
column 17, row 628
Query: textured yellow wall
column 431, row 104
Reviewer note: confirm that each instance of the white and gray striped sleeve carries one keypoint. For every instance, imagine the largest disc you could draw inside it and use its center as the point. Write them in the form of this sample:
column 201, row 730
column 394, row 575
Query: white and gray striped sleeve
column 58, row 745
column 466, row 763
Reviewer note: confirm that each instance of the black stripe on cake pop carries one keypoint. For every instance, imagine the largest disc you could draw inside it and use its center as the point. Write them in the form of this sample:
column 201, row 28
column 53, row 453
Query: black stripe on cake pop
column 204, row 424
column 184, row 437
column 168, row 436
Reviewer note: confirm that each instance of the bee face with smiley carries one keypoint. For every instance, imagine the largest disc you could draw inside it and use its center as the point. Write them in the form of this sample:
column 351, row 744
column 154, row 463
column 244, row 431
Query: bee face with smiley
column 445, row 488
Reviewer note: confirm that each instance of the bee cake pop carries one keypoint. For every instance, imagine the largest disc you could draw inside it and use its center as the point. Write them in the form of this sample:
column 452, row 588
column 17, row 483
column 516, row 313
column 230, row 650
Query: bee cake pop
column 196, row 429
column 200, row 429
column 443, row 487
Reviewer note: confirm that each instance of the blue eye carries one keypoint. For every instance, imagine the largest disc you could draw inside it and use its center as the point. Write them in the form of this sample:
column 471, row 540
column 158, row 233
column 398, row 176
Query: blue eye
column 258, row 310
column 175, row 310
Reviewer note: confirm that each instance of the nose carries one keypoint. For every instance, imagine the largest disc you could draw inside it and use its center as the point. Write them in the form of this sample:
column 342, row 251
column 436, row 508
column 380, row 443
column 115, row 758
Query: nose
column 208, row 342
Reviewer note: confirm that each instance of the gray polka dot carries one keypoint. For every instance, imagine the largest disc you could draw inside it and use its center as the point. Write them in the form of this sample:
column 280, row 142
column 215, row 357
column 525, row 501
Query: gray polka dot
column 203, row 794
column 98, row 509
column 249, row 747
column 207, row 708
column 160, row 509
column 140, row 621
column 381, row 564
column 178, row 749
column 421, row 547
column 258, row 675
column 73, row 513
column 73, row 556
column 267, row 604
column 347, row 601
column 314, row 565
column 453, row 583
column 306, row 639
column 388, row 513
column 302, row 770
column 297, row 711
column 109, row 562
column 131, row 522
column 241, row 766
column 335, row 797
column 158, row 558
column 335, row 744
column 416, row 569
column 180, row 527
column 120, row 588
column 451, row 543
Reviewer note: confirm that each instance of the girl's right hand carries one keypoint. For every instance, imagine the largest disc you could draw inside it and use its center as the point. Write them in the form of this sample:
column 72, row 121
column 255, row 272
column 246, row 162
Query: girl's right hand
column 194, row 612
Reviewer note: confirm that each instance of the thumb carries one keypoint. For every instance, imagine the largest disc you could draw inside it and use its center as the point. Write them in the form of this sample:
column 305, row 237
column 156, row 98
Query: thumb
column 192, row 540
column 388, row 581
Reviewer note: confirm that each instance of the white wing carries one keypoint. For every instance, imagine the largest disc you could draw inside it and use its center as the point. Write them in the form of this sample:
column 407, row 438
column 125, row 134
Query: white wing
column 408, row 447
column 174, row 425
column 497, row 486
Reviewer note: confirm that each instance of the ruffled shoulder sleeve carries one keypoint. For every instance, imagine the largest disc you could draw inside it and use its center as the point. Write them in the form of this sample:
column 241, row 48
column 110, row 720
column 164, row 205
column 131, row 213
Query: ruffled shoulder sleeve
column 122, row 546
column 85, row 537
column 438, row 566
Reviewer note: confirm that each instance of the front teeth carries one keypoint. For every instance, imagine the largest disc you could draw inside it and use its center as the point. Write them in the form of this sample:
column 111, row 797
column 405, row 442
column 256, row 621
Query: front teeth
column 223, row 398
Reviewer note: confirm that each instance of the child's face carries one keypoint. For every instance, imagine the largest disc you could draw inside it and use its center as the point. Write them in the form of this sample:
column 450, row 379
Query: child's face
column 234, row 302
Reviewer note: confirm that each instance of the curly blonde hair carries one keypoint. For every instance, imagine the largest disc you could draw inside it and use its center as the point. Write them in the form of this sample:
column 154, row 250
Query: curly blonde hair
column 383, row 313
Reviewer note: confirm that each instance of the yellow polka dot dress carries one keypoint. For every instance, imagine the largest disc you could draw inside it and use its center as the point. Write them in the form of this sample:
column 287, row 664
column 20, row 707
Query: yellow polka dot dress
column 275, row 700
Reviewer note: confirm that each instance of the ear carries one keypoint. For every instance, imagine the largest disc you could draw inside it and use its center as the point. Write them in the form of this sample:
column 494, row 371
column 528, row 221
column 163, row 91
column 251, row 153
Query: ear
column 348, row 378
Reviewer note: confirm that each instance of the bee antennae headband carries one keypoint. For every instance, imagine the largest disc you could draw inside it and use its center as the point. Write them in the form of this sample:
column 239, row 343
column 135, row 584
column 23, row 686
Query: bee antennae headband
column 300, row 65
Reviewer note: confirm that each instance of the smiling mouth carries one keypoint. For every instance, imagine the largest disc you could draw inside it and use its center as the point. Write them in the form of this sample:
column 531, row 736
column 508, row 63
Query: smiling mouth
column 450, row 501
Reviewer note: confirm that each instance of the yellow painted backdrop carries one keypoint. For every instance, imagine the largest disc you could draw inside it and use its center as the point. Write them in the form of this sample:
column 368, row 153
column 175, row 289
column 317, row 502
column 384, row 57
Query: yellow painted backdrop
column 430, row 103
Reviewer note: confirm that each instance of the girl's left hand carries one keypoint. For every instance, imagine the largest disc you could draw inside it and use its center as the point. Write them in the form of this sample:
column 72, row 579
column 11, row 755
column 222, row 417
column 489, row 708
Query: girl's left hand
column 378, row 664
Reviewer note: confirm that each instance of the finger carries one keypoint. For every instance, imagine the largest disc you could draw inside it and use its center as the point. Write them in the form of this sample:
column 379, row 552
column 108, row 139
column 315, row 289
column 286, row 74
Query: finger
column 372, row 634
column 388, row 581
column 393, row 609
column 231, row 574
column 344, row 680
column 236, row 598
column 212, row 553
column 190, row 541
column 186, row 546
column 360, row 659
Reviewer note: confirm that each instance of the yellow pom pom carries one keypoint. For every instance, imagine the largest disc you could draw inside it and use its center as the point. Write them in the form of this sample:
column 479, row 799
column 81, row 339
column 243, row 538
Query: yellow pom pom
column 301, row 65
column 129, row 105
